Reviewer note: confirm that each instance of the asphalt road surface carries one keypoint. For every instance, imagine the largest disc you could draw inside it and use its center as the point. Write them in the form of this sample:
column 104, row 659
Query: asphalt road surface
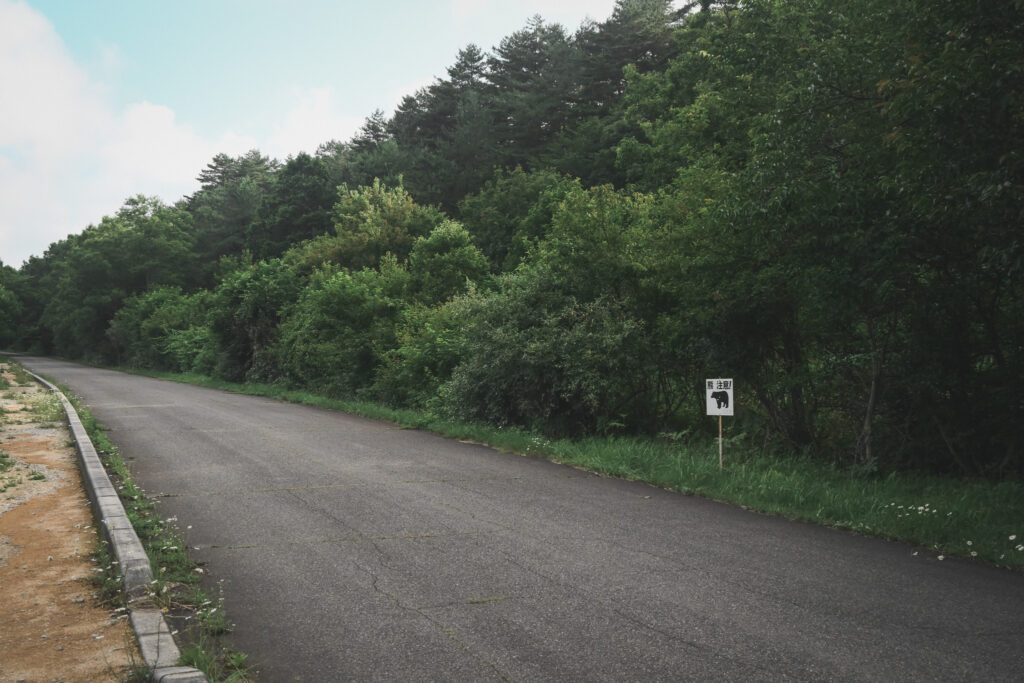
column 350, row 549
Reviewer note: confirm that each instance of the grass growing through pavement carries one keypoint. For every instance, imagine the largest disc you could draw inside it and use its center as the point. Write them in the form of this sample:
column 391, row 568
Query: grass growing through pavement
column 978, row 519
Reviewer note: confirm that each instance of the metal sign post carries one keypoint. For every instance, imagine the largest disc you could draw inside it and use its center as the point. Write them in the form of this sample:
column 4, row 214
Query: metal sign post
column 719, row 393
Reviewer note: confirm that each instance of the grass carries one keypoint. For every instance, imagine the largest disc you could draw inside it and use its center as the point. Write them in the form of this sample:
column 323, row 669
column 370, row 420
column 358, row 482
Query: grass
column 231, row 668
column 21, row 376
column 108, row 581
column 45, row 408
column 977, row 519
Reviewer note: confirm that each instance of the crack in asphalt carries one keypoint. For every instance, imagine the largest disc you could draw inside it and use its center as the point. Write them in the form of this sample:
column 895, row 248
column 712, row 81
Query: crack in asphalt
column 448, row 631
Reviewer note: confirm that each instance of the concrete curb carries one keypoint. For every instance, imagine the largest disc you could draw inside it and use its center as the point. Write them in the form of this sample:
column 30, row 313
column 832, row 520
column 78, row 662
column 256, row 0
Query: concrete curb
column 158, row 648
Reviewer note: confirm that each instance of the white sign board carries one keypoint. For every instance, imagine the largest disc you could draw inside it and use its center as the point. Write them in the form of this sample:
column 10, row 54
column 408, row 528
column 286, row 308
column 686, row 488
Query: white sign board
column 719, row 396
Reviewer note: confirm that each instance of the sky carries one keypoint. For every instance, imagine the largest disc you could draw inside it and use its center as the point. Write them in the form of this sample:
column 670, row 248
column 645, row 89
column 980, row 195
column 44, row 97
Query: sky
column 107, row 99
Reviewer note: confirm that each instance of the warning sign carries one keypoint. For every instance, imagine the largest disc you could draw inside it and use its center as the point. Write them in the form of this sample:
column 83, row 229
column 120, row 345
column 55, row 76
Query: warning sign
column 719, row 396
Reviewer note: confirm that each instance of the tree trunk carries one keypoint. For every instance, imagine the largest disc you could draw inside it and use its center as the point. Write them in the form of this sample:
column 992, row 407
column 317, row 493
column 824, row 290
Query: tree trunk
column 863, row 453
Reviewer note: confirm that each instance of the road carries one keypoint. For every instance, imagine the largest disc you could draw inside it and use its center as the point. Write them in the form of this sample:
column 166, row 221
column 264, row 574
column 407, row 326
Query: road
column 349, row 549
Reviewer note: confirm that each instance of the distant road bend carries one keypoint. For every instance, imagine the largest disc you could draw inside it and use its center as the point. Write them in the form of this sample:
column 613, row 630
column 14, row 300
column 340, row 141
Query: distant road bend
column 350, row 549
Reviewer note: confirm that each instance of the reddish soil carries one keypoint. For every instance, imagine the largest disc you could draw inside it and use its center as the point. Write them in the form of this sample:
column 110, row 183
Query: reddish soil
column 52, row 624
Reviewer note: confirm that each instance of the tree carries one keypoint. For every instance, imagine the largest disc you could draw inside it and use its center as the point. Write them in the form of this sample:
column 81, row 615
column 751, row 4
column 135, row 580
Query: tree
column 533, row 83
column 228, row 203
column 373, row 153
column 10, row 306
column 445, row 133
column 954, row 135
column 331, row 338
column 444, row 264
column 512, row 212
column 564, row 342
column 246, row 310
column 142, row 327
column 144, row 245
column 296, row 207
column 639, row 35
column 370, row 222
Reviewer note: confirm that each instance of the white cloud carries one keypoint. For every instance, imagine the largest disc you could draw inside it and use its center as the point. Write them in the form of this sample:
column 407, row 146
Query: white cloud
column 46, row 106
column 67, row 157
column 396, row 96
column 314, row 119
column 149, row 152
column 569, row 13
column 111, row 59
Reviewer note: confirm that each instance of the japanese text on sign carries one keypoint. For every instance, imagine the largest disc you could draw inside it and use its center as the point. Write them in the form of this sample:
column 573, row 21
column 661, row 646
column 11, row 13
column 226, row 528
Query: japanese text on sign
column 719, row 394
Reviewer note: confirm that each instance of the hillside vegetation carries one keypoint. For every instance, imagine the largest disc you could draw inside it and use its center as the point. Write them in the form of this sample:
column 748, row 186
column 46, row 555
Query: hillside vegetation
column 568, row 233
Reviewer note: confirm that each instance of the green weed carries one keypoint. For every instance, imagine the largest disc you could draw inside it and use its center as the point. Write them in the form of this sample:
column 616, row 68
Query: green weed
column 220, row 664
column 44, row 407
column 106, row 577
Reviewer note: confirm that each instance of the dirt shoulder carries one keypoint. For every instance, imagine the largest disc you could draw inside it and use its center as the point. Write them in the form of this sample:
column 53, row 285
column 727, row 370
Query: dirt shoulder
column 54, row 626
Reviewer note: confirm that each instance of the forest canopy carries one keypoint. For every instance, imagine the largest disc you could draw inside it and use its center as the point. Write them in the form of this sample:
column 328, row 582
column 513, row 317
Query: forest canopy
column 571, row 231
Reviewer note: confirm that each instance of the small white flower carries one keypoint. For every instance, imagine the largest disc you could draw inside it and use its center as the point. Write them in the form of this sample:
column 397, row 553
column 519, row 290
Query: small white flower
column 970, row 542
column 942, row 557
column 1013, row 537
column 974, row 553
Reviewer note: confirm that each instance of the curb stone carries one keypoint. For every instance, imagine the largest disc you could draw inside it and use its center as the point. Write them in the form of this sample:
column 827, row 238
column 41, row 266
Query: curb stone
column 156, row 643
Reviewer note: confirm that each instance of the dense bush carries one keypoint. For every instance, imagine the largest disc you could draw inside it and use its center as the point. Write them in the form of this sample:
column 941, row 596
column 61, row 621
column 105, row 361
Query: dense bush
column 824, row 205
column 330, row 341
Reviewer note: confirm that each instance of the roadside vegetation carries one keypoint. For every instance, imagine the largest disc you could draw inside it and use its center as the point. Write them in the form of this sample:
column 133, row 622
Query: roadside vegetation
column 17, row 407
column 198, row 620
column 553, row 245
column 570, row 232
column 948, row 517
